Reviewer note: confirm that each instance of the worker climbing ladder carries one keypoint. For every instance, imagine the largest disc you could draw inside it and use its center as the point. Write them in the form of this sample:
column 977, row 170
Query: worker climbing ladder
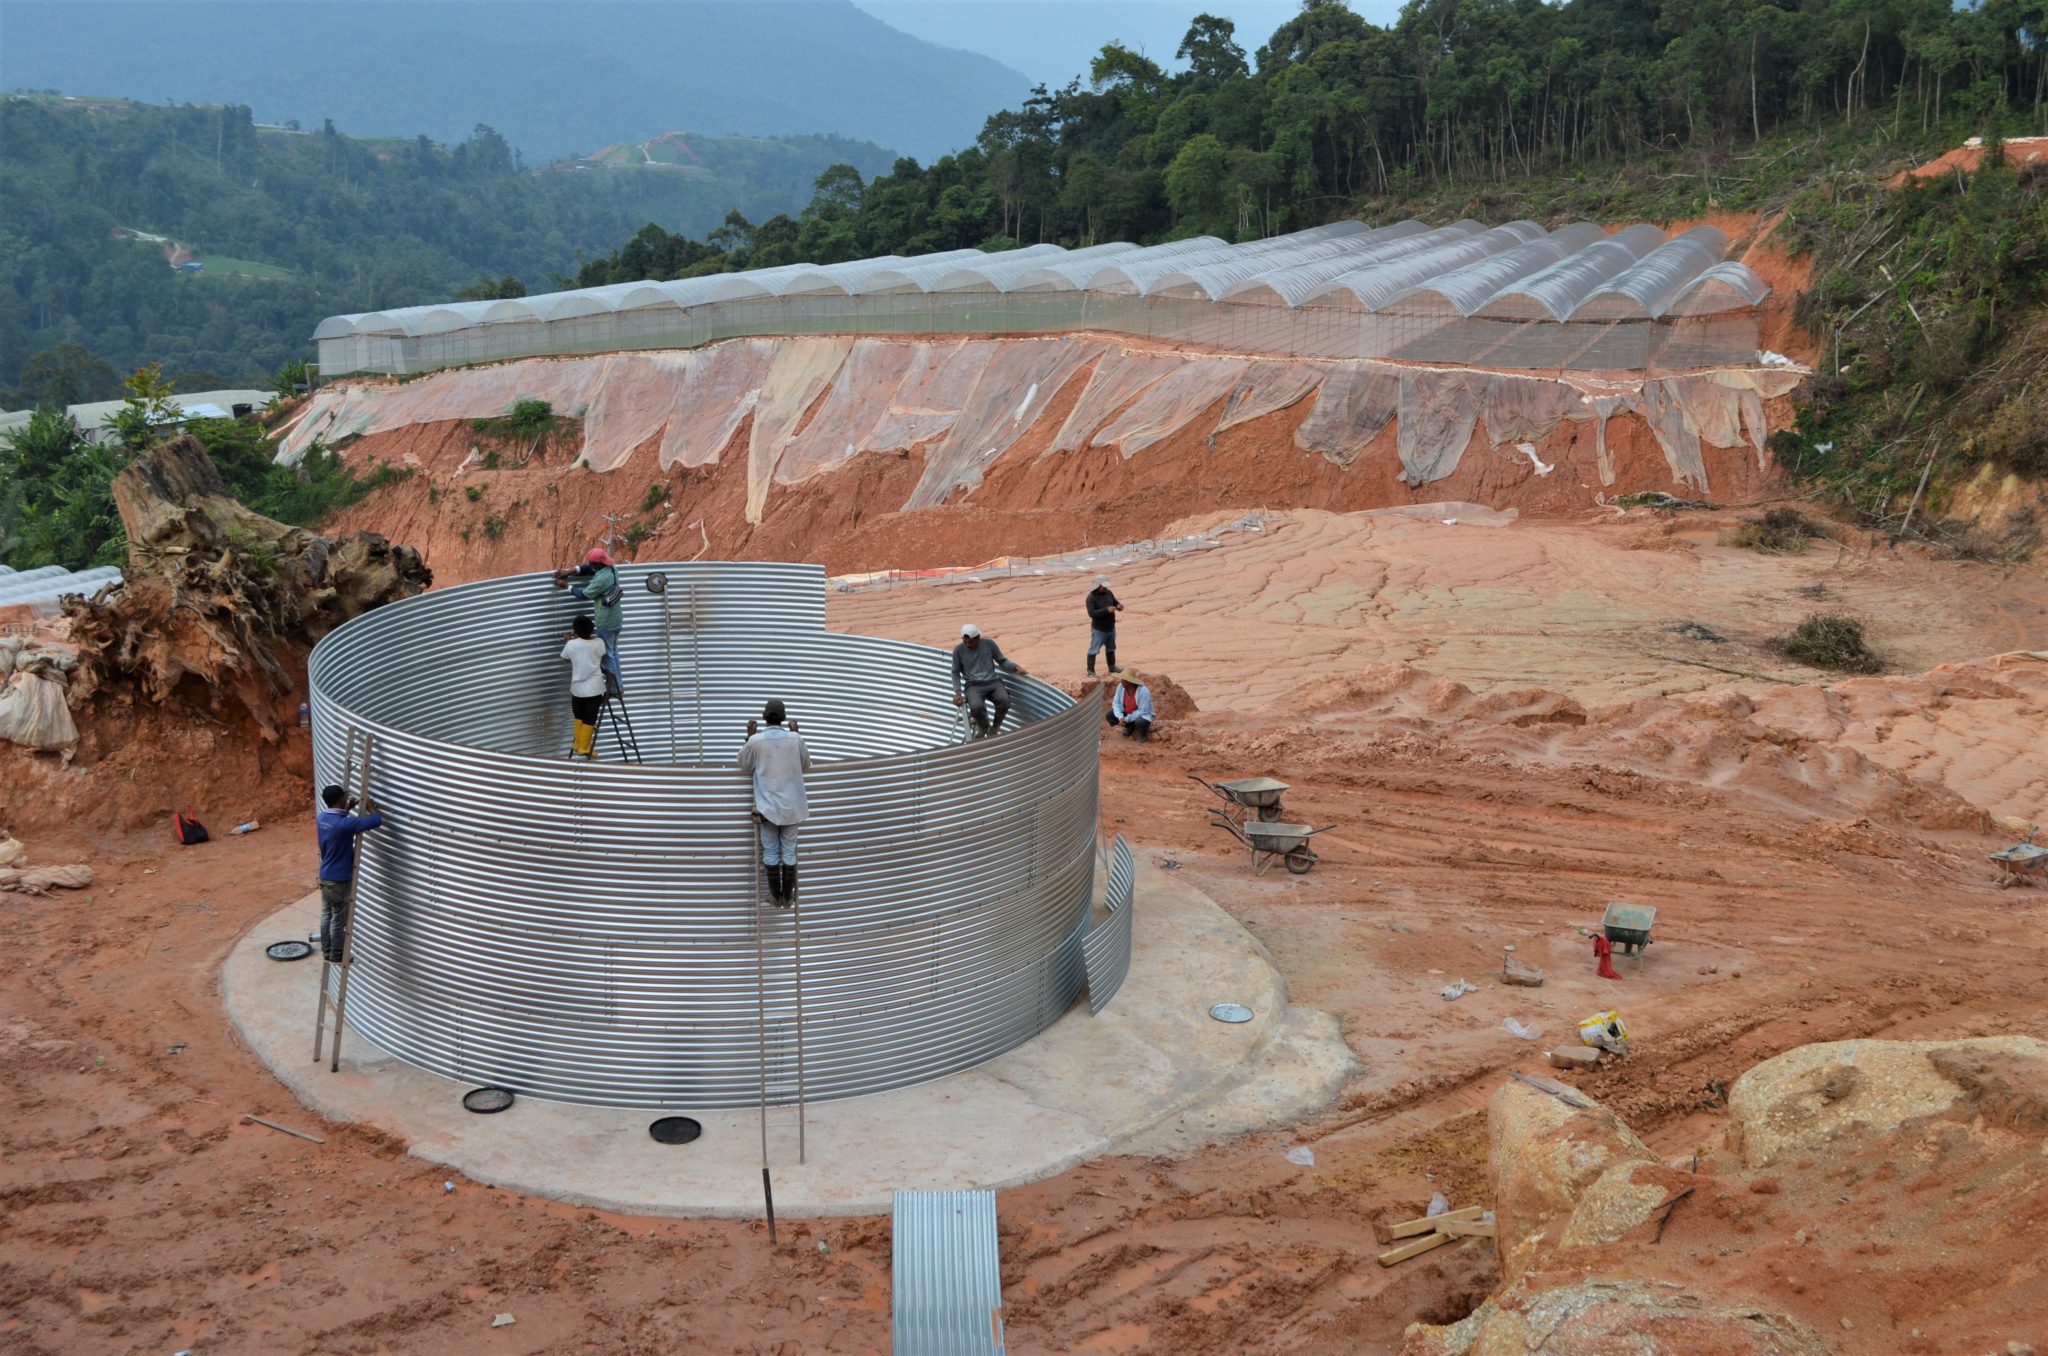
column 761, row 914
column 347, row 922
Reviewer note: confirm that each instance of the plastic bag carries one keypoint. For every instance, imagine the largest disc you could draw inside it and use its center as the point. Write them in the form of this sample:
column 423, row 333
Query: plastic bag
column 1605, row 1031
column 1459, row 990
column 1302, row 1156
column 1517, row 1030
column 1437, row 1206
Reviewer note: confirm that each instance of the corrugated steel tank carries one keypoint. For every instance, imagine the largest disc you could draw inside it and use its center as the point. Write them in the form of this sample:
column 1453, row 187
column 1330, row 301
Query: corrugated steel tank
column 588, row 932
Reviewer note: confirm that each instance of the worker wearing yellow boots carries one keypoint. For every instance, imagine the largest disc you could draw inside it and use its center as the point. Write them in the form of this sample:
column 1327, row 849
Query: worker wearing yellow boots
column 585, row 653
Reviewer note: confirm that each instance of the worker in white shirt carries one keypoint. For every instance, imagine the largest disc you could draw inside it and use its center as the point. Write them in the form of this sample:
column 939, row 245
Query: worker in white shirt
column 778, row 759
column 585, row 653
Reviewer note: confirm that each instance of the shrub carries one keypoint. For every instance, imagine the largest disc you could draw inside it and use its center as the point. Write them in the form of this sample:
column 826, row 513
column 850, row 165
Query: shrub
column 1828, row 640
column 651, row 501
column 474, row 494
column 494, row 528
column 1780, row 532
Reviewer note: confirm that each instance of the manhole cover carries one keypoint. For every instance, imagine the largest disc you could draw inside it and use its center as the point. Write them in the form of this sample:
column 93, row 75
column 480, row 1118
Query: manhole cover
column 487, row 1101
column 674, row 1130
column 1231, row 1012
column 288, row 950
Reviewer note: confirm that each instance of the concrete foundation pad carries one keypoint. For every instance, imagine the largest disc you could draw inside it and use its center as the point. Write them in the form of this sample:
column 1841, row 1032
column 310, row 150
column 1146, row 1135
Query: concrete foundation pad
column 1153, row 1073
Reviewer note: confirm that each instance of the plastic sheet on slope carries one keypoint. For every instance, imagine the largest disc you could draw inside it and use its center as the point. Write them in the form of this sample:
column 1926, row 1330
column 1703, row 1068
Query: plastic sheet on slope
column 1267, row 387
column 1014, row 389
column 713, row 393
column 799, row 374
column 1170, row 405
column 1117, row 379
column 1355, row 402
column 1439, row 410
column 867, row 381
column 924, row 406
column 1529, row 409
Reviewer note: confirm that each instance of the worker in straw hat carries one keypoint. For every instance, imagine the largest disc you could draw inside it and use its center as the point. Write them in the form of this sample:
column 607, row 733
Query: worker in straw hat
column 1102, row 609
column 1130, row 706
column 978, row 668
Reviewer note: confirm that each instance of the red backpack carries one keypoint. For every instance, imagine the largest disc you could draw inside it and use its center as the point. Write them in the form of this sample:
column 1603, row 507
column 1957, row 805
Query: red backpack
column 188, row 829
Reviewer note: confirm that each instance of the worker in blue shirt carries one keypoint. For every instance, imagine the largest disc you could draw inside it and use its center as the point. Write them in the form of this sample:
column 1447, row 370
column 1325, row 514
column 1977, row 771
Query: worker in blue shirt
column 337, row 829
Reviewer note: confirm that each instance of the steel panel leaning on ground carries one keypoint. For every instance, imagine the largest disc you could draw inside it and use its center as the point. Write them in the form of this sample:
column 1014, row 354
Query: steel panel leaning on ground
column 586, row 932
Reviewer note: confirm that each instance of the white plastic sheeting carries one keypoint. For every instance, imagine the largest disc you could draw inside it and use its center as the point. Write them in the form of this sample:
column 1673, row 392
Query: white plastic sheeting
column 1346, row 290
column 812, row 405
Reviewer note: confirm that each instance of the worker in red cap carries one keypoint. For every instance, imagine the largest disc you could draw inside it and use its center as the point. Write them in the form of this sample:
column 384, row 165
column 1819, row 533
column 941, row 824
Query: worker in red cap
column 597, row 579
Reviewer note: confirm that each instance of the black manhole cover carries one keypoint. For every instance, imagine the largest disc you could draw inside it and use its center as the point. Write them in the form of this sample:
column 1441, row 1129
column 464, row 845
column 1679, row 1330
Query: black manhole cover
column 487, row 1101
column 675, row 1130
column 288, row 950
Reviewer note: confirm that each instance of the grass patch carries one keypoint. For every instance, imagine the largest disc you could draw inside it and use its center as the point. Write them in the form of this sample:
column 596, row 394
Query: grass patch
column 1779, row 532
column 1829, row 640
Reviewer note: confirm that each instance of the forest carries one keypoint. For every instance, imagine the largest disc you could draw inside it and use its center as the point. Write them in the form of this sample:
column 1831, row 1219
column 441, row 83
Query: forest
column 292, row 226
column 1331, row 113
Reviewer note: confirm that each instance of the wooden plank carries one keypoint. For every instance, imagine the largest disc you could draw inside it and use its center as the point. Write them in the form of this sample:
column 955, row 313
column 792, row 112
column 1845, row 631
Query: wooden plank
column 1411, row 1228
column 1418, row 1247
column 1466, row 1228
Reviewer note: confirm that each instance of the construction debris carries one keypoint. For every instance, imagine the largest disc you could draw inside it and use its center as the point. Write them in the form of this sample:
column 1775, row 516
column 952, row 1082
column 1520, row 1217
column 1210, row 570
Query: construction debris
column 1521, row 973
column 1433, row 1231
column 1575, row 1057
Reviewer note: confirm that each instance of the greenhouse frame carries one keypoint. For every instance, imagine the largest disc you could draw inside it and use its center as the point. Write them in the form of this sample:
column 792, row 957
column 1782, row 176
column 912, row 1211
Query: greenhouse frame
column 1513, row 297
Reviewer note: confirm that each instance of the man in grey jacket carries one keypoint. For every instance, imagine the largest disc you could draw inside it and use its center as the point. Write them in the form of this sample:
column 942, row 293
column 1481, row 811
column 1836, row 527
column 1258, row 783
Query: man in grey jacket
column 978, row 668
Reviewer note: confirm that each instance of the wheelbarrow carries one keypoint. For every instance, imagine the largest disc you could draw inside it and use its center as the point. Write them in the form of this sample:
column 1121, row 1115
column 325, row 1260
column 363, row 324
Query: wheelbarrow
column 2022, row 864
column 1628, row 927
column 1258, row 797
column 1268, row 840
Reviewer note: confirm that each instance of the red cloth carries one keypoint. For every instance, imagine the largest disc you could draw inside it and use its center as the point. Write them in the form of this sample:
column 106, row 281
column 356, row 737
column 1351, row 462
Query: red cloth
column 1130, row 699
column 1603, row 951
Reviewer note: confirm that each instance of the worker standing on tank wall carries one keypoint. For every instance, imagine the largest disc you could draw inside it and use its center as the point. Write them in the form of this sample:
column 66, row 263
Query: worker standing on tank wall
column 777, row 758
column 1102, row 609
column 978, row 668
column 597, row 579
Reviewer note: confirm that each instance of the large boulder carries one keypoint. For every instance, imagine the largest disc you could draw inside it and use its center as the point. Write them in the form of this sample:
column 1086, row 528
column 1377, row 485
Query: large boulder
column 1614, row 1318
column 1839, row 1094
column 1546, row 1149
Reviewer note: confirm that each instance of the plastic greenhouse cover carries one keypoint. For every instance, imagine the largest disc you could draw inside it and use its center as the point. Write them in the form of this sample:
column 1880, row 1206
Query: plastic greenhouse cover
column 717, row 392
column 867, row 381
column 934, row 389
column 1468, row 288
column 1005, row 270
column 1381, row 282
column 1149, row 276
column 1294, row 283
column 1649, row 286
column 1438, row 412
column 1724, row 287
column 1215, row 278
column 1558, row 289
column 1066, row 274
column 1168, row 406
column 1267, row 386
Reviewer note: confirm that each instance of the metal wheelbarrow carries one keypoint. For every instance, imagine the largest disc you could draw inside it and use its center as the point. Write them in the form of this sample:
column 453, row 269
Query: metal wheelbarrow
column 1258, row 797
column 1628, row 927
column 1288, row 842
column 2022, row 864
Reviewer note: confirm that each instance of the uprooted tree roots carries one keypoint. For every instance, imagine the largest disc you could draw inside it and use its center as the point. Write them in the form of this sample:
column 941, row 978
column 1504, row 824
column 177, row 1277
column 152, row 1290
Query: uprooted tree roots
column 218, row 599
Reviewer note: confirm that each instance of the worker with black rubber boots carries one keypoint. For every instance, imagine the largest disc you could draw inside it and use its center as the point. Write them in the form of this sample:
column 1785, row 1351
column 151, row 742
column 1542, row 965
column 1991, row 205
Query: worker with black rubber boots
column 777, row 759
column 1102, row 610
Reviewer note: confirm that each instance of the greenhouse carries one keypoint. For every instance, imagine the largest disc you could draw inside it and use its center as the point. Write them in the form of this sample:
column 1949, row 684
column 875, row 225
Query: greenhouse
column 1513, row 297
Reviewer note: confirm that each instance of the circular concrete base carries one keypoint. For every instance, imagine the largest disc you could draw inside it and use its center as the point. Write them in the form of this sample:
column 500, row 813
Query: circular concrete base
column 1152, row 1073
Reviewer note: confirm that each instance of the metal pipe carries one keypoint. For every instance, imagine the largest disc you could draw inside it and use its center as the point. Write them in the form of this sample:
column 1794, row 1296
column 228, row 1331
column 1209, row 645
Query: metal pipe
column 568, row 930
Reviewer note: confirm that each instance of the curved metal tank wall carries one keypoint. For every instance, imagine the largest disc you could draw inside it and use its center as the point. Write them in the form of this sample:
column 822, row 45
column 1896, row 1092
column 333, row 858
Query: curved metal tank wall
column 587, row 932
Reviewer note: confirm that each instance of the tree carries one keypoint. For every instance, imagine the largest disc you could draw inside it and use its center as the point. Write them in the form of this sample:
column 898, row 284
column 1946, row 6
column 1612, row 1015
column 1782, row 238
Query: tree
column 503, row 289
column 838, row 189
column 1196, row 182
column 1211, row 51
column 67, row 374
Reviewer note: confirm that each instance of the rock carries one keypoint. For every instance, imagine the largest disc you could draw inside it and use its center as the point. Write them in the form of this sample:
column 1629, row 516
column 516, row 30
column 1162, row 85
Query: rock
column 1514, row 970
column 1816, row 1095
column 1544, row 1155
column 1575, row 1057
column 1620, row 1199
column 1613, row 1318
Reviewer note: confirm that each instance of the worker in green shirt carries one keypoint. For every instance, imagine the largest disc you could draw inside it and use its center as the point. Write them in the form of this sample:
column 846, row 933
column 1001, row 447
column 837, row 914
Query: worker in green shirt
column 597, row 579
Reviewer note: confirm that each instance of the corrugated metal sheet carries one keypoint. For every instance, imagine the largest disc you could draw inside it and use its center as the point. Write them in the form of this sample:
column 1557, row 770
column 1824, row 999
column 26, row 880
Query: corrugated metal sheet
column 946, row 1274
column 1107, row 946
column 584, row 932
column 52, row 582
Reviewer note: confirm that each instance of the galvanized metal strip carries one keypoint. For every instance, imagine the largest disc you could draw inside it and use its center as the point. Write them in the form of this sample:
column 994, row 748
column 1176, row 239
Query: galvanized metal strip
column 947, row 1286
column 1108, row 944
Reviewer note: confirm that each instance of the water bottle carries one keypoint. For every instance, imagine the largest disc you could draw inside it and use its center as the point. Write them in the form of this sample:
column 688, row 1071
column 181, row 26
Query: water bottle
column 249, row 827
column 305, row 715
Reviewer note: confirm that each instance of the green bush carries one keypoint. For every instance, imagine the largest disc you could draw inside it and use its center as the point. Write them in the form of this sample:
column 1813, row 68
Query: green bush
column 494, row 527
column 474, row 494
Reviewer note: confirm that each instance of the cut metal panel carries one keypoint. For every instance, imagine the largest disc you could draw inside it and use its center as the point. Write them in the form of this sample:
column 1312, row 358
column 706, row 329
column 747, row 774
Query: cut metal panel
column 1108, row 944
column 588, row 928
column 946, row 1274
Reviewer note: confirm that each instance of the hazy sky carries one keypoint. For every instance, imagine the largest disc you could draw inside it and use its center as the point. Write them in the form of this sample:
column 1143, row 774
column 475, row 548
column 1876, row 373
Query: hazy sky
column 1053, row 40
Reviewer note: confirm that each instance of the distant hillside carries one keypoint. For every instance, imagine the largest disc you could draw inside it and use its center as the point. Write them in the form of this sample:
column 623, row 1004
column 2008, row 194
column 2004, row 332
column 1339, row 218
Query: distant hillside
column 764, row 175
column 106, row 206
column 555, row 79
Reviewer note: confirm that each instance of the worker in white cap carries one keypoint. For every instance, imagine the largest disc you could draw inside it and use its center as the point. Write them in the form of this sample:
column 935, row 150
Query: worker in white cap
column 1102, row 610
column 978, row 668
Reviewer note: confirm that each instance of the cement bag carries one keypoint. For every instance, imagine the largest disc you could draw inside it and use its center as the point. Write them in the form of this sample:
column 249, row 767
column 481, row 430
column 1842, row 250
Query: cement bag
column 1605, row 1031
column 40, row 880
column 33, row 712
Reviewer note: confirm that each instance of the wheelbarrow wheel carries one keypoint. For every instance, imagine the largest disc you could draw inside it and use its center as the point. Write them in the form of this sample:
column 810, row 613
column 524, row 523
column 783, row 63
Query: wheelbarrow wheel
column 1270, row 814
column 1299, row 860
